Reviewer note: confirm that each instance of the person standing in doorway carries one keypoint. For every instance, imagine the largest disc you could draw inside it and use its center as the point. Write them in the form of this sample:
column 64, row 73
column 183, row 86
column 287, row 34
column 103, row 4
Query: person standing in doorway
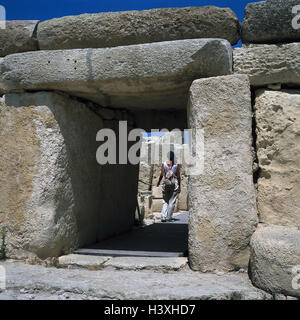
column 170, row 187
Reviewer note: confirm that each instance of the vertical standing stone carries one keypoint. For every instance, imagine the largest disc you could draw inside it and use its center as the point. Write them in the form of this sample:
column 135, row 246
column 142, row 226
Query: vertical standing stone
column 222, row 203
column 278, row 151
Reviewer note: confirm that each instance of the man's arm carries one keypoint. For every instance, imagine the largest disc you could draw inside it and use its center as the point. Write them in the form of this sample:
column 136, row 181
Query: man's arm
column 161, row 175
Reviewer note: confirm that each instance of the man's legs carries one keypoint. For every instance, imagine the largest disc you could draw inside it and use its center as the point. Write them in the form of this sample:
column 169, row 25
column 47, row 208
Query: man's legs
column 171, row 206
column 166, row 199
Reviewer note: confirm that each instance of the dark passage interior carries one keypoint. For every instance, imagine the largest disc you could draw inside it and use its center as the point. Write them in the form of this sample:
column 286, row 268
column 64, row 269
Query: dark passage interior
column 156, row 239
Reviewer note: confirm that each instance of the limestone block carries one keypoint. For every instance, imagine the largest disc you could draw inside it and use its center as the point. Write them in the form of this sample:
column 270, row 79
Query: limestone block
column 111, row 29
column 278, row 151
column 157, row 205
column 275, row 260
column 183, row 195
column 136, row 76
column 147, row 263
column 222, row 202
column 82, row 261
column 267, row 64
column 145, row 175
column 18, row 36
column 270, row 22
column 54, row 196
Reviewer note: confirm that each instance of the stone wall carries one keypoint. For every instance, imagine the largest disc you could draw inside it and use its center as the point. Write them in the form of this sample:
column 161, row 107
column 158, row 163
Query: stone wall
column 270, row 57
column 139, row 67
column 54, row 196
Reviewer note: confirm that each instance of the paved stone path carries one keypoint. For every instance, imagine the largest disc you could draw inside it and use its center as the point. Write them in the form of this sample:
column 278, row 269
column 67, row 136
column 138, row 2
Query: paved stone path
column 26, row 281
column 157, row 239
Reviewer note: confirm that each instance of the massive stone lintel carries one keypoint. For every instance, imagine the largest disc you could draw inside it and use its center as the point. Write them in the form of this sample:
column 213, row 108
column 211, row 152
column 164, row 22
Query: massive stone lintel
column 270, row 22
column 111, row 29
column 54, row 196
column 275, row 259
column 18, row 36
column 222, row 202
column 152, row 76
column 278, row 150
column 267, row 64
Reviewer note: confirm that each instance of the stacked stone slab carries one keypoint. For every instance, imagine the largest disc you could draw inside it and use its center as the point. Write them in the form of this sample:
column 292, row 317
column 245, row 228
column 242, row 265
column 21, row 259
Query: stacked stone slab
column 111, row 29
column 222, row 199
column 54, row 196
column 269, row 64
column 18, row 36
column 270, row 22
column 270, row 56
column 137, row 76
column 270, row 52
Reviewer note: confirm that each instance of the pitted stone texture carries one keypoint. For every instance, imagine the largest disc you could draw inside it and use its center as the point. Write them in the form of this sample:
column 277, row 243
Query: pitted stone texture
column 268, row 64
column 270, row 22
column 275, row 259
column 111, row 29
column 54, row 196
column 278, row 150
column 18, row 36
column 222, row 202
column 129, row 285
column 141, row 76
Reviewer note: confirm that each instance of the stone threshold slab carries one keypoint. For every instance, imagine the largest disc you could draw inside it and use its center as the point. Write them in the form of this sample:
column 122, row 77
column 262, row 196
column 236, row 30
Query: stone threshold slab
column 127, row 284
column 92, row 262
column 128, row 253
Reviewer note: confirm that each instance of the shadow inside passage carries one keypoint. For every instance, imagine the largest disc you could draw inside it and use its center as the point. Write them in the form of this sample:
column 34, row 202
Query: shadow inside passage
column 169, row 237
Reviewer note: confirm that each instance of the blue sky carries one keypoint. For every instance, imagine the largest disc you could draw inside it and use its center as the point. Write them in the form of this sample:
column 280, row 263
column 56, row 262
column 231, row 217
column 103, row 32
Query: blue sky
column 47, row 9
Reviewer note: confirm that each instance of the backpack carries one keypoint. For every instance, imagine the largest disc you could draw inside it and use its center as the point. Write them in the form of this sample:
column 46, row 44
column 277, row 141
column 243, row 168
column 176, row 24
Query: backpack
column 170, row 180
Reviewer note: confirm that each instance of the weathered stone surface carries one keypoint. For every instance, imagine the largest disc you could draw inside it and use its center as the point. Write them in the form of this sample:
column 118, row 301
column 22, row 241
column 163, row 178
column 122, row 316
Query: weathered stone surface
column 278, row 151
column 275, row 256
column 82, row 261
column 222, row 200
column 138, row 76
column 111, row 29
column 267, row 64
column 146, row 263
column 130, row 285
column 145, row 176
column 270, row 22
column 18, row 36
column 54, row 196
column 182, row 204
